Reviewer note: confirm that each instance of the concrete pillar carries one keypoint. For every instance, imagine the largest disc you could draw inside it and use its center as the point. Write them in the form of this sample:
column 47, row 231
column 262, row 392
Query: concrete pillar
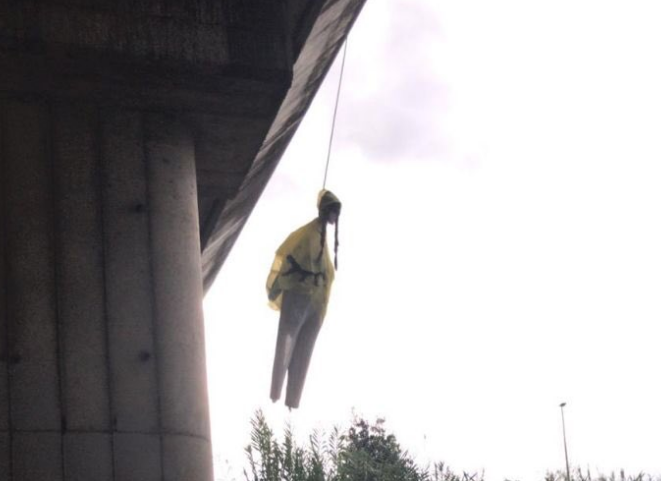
column 102, row 364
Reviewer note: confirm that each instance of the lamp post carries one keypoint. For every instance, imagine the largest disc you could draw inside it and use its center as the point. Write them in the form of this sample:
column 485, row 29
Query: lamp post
column 564, row 437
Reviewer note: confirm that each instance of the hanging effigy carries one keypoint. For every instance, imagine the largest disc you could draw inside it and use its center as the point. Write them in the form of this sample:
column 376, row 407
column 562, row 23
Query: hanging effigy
column 299, row 285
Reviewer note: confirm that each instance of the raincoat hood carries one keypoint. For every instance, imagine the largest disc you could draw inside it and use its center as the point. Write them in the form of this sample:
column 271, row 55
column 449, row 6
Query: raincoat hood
column 326, row 199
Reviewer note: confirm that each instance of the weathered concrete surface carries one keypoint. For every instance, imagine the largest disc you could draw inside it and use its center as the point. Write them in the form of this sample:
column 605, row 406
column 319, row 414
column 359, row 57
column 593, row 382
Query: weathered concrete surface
column 4, row 455
column 186, row 457
column 4, row 373
column 177, row 284
column 88, row 456
column 79, row 268
column 128, row 285
column 138, row 457
column 135, row 139
column 103, row 314
column 36, row 455
column 31, row 310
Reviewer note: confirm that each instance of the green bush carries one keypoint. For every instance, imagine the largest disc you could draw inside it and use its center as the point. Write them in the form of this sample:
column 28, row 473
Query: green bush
column 271, row 460
column 363, row 452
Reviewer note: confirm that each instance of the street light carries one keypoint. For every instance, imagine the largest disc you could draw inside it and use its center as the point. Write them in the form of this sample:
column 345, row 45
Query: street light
column 564, row 437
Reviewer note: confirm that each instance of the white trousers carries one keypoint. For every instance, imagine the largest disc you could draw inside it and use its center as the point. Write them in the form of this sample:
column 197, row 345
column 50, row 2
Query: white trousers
column 300, row 323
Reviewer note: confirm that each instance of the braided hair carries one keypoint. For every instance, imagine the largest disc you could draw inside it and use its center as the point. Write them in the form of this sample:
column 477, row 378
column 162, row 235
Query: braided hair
column 323, row 216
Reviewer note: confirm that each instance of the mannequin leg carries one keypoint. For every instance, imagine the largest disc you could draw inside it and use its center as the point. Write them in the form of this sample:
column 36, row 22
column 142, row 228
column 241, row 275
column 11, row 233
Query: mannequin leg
column 300, row 360
column 292, row 317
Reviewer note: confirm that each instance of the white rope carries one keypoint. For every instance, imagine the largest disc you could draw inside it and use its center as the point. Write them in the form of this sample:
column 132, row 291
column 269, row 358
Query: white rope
column 337, row 101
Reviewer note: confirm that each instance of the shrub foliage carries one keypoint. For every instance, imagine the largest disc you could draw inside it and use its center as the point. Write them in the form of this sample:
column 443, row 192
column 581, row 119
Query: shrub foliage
column 363, row 452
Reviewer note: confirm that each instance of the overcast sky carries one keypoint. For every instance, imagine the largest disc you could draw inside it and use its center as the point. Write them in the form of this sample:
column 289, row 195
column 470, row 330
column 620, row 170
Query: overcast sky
column 500, row 169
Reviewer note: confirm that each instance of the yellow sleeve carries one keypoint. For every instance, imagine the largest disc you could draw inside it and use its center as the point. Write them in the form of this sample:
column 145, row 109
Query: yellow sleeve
column 273, row 289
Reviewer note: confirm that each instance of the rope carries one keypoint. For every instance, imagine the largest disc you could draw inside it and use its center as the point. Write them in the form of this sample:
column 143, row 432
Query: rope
column 337, row 101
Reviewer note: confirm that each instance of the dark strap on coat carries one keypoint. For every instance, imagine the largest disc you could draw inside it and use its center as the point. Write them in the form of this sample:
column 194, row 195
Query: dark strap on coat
column 304, row 274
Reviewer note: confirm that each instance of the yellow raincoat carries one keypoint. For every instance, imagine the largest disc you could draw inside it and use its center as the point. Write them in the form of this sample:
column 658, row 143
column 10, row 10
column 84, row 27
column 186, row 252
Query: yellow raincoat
column 296, row 268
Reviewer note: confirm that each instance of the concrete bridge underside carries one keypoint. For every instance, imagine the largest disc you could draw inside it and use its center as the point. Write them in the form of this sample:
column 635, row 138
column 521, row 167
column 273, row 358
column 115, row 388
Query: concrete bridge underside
column 135, row 138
